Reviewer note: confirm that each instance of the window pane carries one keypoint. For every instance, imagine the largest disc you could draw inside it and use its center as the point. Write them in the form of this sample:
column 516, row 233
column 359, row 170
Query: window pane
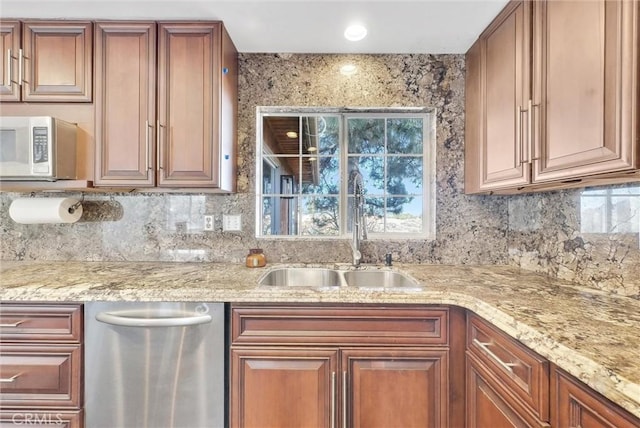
column 267, row 215
column 280, row 135
column 321, row 175
column 366, row 136
column 404, row 215
column 404, row 136
column 328, row 134
column 404, row 175
column 372, row 170
column 320, row 216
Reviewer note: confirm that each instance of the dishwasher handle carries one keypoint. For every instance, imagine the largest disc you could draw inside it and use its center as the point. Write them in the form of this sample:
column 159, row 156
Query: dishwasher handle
column 131, row 319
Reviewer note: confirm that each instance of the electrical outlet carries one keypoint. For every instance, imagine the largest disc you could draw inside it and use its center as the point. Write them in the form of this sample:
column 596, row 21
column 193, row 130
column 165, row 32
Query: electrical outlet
column 208, row 222
column 232, row 223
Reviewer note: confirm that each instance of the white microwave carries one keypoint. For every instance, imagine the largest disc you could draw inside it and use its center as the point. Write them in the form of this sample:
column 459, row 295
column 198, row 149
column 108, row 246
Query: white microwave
column 39, row 148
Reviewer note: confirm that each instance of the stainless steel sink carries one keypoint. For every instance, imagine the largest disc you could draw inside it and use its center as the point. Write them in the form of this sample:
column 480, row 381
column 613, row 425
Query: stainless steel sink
column 302, row 277
column 379, row 279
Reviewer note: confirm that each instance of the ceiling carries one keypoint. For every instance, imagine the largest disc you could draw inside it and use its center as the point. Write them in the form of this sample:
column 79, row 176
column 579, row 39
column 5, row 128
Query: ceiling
column 299, row 26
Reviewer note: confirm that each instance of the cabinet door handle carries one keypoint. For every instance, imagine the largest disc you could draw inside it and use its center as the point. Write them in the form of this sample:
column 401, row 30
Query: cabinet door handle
column 333, row 399
column 485, row 347
column 147, row 128
column 9, row 379
column 159, row 145
column 532, row 130
column 15, row 324
column 9, row 79
column 524, row 157
column 20, row 66
column 344, row 399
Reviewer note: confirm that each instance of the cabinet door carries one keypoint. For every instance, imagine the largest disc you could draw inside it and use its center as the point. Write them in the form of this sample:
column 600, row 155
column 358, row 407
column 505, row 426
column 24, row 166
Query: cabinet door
column 57, row 61
column 125, row 59
column 585, row 60
column 576, row 406
column 498, row 87
column 279, row 388
column 386, row 387
column 489, row 405
column 9, row 47
column 188, row 104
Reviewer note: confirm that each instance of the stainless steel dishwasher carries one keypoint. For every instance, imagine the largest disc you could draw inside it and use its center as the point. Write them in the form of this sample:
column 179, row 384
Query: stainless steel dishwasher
column 150, row 365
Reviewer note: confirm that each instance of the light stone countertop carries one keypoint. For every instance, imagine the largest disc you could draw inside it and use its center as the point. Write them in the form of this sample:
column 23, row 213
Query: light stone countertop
column 590, row 334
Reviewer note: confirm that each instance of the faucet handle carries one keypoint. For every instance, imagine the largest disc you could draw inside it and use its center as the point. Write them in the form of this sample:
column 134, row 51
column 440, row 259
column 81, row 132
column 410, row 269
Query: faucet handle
column 387, row 259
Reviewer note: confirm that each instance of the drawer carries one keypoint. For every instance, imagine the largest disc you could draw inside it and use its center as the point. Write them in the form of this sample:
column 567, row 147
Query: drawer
column 40, row 323
column 39, row 418
column 346, row 325
column 521, row 371
column 40, row 376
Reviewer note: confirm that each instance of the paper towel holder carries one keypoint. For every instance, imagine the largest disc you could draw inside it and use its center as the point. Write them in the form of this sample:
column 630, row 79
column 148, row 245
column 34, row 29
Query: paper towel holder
column 75, row 206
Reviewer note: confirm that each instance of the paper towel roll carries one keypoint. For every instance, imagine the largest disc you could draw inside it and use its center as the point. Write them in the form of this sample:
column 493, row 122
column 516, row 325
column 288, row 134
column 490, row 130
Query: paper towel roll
column 45, row 210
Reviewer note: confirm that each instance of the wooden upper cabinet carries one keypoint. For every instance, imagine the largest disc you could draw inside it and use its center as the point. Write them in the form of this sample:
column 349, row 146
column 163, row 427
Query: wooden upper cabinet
column 497, row 98
column 125, row 58
column 585, row 88
column 166, row 105
column 550, row 102
column 47, row 61
column 10, row 45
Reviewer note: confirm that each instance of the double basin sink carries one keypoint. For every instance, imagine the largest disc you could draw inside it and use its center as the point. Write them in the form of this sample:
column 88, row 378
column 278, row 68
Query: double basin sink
column 321, row 277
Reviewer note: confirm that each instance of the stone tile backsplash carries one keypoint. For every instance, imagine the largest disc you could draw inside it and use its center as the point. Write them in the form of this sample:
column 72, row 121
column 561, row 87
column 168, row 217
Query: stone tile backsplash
column 539, row 232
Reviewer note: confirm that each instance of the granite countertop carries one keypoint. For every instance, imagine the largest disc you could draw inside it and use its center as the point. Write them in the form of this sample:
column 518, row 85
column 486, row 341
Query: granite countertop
column 590, row 334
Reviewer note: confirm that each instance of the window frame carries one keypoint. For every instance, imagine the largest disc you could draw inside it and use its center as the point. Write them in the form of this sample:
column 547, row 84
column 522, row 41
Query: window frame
column 428, row 115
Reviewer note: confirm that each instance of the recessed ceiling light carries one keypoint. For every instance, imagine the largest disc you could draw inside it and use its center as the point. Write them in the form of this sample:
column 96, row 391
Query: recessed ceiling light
column 348, row 69
column 313, row 159
column 292, row 134
column 355, row 32
column 312, row 149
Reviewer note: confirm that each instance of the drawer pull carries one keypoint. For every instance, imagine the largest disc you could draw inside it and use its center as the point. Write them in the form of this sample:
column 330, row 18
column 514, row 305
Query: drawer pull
column 485, row 347
column 15, row 324
column 10, row 379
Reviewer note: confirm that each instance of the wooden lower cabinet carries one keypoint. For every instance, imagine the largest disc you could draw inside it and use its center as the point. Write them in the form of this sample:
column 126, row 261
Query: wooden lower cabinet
column 488, row 403
column 574, row 405
column 276, row 387
column 41, row 365
column 342, row 366
column 384, row 387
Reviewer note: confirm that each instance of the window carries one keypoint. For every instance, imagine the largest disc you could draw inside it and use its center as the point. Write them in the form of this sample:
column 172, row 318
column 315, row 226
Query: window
column 306, row 157
column 610, row 210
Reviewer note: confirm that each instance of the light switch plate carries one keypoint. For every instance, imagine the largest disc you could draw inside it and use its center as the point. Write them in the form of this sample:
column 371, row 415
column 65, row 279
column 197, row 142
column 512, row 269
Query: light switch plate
column 232, row 223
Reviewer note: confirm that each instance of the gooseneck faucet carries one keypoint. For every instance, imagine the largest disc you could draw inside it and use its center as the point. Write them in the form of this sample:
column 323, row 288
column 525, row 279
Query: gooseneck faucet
column 358, row 225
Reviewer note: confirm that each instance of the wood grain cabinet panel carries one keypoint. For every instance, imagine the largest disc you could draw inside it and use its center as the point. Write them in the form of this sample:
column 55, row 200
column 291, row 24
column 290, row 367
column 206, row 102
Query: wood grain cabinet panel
column 549, row 104
column 577, row 406
column 489, row 404
column 166, row 105
column 125, row 58
column 280, row 388
column 497, row 94
column 585, row 88
column 57, row 323
column 40, row 376
column 507, row 383
column 385, row 387
column 284, row 372
column 41, row 364
column 46, row 61
column 10, row 32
